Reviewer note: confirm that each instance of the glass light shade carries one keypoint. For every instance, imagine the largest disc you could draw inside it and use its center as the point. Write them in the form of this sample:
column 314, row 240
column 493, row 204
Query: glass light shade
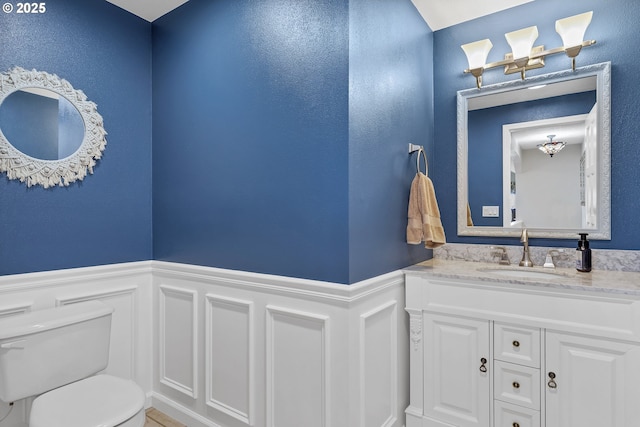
column 477, row 53
column 521, row 41
column 572, row 29
column 551, row 147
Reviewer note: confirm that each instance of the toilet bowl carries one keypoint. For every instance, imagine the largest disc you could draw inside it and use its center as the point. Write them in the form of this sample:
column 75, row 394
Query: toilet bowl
column 55, row 354
column 101, row 400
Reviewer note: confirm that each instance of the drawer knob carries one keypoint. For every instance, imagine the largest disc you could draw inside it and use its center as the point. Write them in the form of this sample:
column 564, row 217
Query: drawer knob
column 483, row 368
column 552, row 383
column 516, row 384
column 515, row 425
column 516, row 343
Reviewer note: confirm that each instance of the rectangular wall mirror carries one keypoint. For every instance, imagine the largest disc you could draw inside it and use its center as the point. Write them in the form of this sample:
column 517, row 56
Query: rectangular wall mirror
column 506, row 181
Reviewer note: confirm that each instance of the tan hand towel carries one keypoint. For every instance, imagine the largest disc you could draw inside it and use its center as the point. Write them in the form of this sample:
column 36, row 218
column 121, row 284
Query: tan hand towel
column 414, row 224
column 424, row 224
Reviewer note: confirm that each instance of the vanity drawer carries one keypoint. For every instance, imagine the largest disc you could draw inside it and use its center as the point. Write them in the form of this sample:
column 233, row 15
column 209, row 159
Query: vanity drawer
column 508, row 415
column 516, row 344
column 517, row 384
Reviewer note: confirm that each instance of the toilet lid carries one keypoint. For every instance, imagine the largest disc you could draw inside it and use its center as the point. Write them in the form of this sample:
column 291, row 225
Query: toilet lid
column 98, row 401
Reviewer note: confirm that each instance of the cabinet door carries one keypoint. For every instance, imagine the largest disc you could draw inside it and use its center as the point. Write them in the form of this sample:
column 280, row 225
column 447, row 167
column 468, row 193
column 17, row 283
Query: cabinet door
column 457, row 370
column 596, row 383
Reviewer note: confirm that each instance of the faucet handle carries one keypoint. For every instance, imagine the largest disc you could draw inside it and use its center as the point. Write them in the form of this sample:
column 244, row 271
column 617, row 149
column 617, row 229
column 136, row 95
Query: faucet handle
column 501, row 251
column 524, row 237
column 548, row 262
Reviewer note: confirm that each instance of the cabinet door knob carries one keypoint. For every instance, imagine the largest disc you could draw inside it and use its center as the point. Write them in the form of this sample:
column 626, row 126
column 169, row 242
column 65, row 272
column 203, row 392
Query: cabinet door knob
column 516, row 384
column 552, row 383
column 483, row 368
column 515, row 424
column 516, row 343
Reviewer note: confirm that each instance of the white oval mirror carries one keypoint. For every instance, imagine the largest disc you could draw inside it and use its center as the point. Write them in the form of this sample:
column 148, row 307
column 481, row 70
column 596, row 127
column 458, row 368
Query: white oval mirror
column 41, row 123
column 50, row 134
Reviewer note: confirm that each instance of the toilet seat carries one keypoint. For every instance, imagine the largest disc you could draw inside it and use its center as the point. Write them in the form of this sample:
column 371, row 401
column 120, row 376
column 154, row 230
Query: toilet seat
column 98, row 401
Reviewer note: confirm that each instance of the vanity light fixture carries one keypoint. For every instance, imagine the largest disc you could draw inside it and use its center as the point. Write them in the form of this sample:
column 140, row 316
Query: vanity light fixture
column 572, row 31
column 551, row 147
column 524, row 56
column 521, row 43
column 477, row 53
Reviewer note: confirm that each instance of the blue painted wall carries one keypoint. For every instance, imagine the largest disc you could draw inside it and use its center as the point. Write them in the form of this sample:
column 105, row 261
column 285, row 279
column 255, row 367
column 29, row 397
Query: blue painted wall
column 251, row 136
column 485, row 142
column 390, row 105
column 614, row 27
column 280, row 129
column 106, row 218
column 268, row 153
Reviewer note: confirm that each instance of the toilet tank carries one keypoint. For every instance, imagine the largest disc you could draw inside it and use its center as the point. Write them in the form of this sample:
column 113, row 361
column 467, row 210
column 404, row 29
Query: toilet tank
column 46, row 349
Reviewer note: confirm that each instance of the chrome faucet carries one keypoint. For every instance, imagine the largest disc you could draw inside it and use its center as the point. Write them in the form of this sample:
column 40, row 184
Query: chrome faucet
column 501, row 251
column 526, row 259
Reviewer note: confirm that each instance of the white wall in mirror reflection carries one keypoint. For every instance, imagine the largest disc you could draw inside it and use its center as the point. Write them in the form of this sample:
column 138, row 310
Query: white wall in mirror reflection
column 543, row 191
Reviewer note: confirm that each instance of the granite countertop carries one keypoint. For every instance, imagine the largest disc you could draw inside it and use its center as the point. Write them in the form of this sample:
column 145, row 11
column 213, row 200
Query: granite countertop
column 614, row 282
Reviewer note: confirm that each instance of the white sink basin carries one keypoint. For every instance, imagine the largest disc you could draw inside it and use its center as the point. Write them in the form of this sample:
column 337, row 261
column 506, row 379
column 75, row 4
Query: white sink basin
column 522, row 273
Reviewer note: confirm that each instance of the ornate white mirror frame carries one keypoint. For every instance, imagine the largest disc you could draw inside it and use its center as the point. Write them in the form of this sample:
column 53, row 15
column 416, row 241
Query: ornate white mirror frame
column 49, row 173
column 517, row 88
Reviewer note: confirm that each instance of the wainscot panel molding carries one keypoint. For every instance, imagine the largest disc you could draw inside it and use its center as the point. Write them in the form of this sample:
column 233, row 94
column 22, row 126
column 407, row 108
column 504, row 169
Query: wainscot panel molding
column 280, row 352
column 221, row 348
column 298, row 367
column 178, row 329
column 377, row 374
column 125, row 287
column 229, row 340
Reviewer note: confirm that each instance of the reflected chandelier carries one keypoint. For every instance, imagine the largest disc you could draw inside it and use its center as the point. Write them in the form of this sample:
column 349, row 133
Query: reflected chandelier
column 551, row 147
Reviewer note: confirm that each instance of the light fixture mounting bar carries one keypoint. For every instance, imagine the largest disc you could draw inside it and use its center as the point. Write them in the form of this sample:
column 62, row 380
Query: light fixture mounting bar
column 536, row 55
column 533, row 62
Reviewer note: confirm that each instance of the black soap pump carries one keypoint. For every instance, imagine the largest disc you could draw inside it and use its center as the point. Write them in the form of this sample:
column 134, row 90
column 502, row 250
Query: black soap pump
column 583, row 254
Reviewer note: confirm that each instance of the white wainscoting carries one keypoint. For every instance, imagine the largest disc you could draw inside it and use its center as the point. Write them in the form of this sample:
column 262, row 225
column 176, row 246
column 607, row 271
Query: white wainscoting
column 221, row 348
column 125, row 287
column 298, row 365
column 178, row 329
column 274, row 351
column 379, row 365
column 230, row 341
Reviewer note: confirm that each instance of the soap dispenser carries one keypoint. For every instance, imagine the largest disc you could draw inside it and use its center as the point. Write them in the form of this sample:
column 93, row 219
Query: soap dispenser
column 583, row 254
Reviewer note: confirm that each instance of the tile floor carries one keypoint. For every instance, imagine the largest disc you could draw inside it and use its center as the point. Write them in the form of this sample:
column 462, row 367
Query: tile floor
column 156, row 418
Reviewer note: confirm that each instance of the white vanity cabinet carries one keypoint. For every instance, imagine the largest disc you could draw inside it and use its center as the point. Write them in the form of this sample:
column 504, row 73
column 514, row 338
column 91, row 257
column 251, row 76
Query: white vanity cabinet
column 516, row 375
column 456, row 367
column 597, row 381
column 491, row 354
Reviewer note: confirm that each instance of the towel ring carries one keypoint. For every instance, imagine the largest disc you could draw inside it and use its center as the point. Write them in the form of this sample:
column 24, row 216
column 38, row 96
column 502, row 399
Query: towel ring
column 426, row 165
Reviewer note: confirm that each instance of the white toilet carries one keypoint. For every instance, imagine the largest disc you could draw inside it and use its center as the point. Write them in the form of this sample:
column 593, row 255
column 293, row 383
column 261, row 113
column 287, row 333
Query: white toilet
column 54, row 354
